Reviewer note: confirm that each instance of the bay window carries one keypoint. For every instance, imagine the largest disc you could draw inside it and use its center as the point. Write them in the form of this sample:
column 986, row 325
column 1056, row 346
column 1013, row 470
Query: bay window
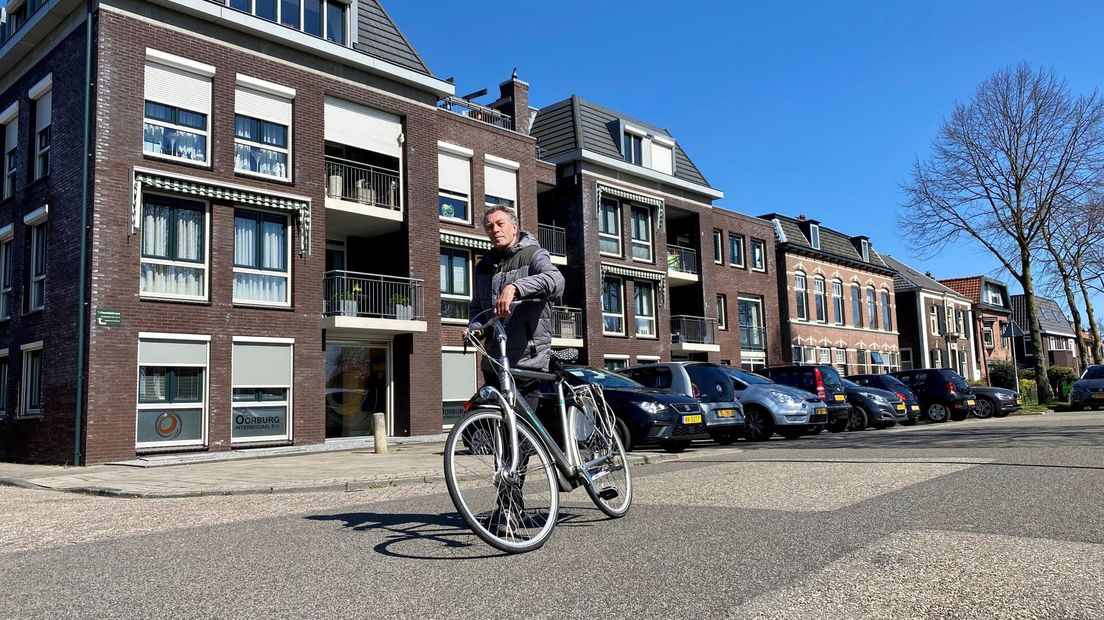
column 261, row 266
column 174, row 248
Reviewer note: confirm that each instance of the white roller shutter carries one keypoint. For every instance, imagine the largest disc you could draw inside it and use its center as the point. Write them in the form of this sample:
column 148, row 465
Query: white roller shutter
column 265, row 106
column 172, row 353
column 363, row 127
column 500, row 182
column 11, row 135
column 43, row 110
column 261, row 365
column 454, row 172
column 179, row 88
column 663, row 158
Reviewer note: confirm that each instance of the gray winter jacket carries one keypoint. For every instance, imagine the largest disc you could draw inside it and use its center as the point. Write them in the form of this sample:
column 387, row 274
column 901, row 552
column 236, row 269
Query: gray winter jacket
column 529, row 326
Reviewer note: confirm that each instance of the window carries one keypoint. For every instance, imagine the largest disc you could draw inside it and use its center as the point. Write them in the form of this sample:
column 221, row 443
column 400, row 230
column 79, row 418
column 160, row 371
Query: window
column 871, row 309
column 260, row 397
column 454, row 182
column 860, row 361
column 752, row 333
column 865, row 247
column 856, row 306
column 887, row 316
column 906, row 359
column 10, row 119
column 837, row 302
column 722, row 311
column 987, row 336
column 814, row 236
column 663, row 156
column 6, row 268
column 797, row 354
column 177, row 108
column 736, row 250
column 262, row 128
column 31, row 397
column 615, row 362
column 632, row 148
column 4, row 384
column 172, row 391
column 841, row 360
column 819, row 300
column 321, row 18
column 613, row 310
column 261, row 249
column 42, row 94
column 801, row 297
column 645, row 310
column 933, row 316
column 36, row 275
column 758, row 255
column 500, row 182
column 993, row 295
column 174, row 254
column 718, row 246
column 609, row 227
column 455, row 283
column 641, row 233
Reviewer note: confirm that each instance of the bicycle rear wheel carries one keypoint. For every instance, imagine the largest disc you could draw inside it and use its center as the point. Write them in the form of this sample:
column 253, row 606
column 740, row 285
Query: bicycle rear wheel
column 512, row 516
column 603, row 456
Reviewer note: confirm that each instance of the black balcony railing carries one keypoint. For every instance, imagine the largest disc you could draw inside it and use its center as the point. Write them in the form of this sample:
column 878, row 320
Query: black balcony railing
column 357, row 182
column 553, row 239
column 693, row 330
column 567, row 322
column 369, row 295
column 753, row 338
column 682, row 259
column 463, row 107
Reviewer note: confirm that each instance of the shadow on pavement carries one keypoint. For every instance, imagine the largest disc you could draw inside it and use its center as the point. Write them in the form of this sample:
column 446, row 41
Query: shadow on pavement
column 948, row 436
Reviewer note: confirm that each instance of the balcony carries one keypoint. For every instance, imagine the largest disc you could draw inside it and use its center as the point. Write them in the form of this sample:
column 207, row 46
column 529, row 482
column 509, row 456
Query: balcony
column 693, row 334
column 355, row 190
column 553, row 239
column 753, row 338
column 483, row 114
column 567, row 327
column 365, row 303
column 682, row 265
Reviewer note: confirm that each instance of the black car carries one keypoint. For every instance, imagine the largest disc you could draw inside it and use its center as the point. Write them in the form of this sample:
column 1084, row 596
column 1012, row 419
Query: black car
column 943, row 393
column 822, row 380
column 871, row 406
column 1088, row 391
column 646, row 415
column 893, row 384
column 995, row 401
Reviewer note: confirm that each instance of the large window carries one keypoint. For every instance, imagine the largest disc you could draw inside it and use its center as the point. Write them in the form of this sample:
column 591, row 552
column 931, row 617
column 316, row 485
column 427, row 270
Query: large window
column 42, row 94
column 172, row 392
column 758, row 255
column 177, row 108
column 641, row 233
column 752, row 330
column 6, row 268
column 261, row 396
column 736, row 250
column 31, row 396
column 644, row 296
column 801, row 297
column 856, row 306
column 933, row 319
column 887, row 316
column 454, row 182
column 261, row 147
column 10, row 119
column 455, row 283
column 321, row 18
column 718, row 246
column 871, row 309
column 174, row 248
column 820, row 300
column 261, row 247
column 837, row 302
column 36, row 276
column 613, row 309
column 609, row 227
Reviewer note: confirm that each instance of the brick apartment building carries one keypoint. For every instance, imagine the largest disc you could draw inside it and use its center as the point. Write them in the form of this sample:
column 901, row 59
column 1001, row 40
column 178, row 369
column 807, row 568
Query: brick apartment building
column 837, row 298
column 992, row 318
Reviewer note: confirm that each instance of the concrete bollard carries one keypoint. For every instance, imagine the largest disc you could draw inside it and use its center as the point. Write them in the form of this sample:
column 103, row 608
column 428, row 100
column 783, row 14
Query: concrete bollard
column 380, row 427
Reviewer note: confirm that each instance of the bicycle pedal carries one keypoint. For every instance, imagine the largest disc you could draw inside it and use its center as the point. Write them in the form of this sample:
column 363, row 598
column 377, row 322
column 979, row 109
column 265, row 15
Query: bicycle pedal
column 608, row 494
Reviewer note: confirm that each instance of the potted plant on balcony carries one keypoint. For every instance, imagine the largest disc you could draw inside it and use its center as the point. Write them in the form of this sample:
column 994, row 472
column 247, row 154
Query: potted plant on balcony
column 347, row 301
column 401, row 307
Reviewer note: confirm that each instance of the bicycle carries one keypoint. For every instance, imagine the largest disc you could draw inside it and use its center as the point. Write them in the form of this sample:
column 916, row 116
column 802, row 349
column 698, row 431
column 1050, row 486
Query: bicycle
column 503, row 469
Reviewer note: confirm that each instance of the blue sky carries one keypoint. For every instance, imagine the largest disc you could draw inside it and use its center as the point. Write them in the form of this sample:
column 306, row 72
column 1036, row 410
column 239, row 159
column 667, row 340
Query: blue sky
column 796, row 107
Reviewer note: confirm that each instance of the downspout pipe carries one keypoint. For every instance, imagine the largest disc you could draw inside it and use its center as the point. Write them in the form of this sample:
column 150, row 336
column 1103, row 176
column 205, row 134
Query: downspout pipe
column 82, row 310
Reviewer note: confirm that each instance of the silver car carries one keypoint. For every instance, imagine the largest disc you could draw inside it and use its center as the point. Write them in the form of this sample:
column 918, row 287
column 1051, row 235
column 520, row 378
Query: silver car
column 705, row 381
column 771, row 407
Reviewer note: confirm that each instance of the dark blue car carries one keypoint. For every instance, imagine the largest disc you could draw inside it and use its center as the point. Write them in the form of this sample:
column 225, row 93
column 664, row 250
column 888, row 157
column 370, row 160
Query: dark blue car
column 893, row 384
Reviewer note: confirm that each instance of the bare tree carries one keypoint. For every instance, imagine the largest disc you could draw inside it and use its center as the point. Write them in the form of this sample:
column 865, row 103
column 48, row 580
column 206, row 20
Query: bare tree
column 998, row 167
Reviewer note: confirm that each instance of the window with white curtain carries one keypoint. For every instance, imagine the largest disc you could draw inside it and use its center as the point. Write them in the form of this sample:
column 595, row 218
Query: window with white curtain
column 645, row 310
column 455, row 283
column 609, row 227
column 641, row 233
column 613, row 309
column 177, row 107
column 262, row 127
column 261, row 269
column 174, row 248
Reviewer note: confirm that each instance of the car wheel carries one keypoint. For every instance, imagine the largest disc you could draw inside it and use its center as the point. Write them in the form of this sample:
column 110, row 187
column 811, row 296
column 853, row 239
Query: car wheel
column 791, row 433
column 985, row 407
column 724, row 438
column 858, row 419
column 757, row 425
column 624, row 435
column 676, row 446
column 937, row 413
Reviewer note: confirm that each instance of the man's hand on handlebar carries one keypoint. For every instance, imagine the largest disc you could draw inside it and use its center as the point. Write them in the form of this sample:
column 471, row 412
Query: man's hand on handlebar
column 505, row 298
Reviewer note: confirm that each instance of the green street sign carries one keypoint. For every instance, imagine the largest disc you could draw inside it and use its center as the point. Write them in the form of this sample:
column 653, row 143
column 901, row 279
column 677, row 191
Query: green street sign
column 109, row 317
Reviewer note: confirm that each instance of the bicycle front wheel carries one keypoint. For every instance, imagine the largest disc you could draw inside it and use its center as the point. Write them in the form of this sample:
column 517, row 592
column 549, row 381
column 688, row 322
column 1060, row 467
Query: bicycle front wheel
column 603, row 457
column 515, row 515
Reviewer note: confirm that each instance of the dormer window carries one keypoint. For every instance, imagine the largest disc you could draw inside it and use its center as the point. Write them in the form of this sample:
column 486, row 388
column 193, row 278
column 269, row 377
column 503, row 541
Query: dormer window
column 634, row 148
column 321, row 18
column 994, row 296
column 642, row 148
column 814, row 236
column 865, row 250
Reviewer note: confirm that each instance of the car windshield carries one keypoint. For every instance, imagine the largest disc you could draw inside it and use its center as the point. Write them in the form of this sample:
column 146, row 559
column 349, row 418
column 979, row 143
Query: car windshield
column 749, row 378
column 604, row 378
column 712, row 383
column 1094, row 372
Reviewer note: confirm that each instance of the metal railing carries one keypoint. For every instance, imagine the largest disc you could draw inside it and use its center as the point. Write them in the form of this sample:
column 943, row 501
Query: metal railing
column 684, row 260
column 567, row 322
column 753, row 338
column 370, row 295
column 357, row 182
column 693, row 329
column 553, row 239
column 483, row 114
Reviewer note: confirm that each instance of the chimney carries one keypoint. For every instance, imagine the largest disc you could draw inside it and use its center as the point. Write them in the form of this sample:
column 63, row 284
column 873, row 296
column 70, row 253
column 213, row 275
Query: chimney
column 928, row 273
column 801, row 217
column 514, row 100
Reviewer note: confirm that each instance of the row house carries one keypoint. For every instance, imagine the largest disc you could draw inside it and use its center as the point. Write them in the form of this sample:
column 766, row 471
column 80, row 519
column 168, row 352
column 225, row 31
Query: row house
column 992, row 318
column 936, row 324
column 836, row 297
column 1058, row 337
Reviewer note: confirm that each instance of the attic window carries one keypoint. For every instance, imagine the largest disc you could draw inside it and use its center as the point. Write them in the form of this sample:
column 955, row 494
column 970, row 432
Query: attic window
column 327, row 19
column 814, row 236
column 865, row 251
column 645, row 149
column 633, row 149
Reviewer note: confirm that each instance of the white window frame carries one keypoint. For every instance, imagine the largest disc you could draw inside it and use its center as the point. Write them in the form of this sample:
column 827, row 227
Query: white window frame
column 865, row 245
column 820, row 298
column 29, row 382
column 647, row 359
column 7, row 270
column 262, row 92
column 801, row 285
column 205, row 266
column 905, row 357
column 718, row 246
column 254, row 271
column 10, row 121
column 839, row 317
column 199, row 70
column 37, row 236
column 42, row 94
column 637, row 243
column 722, row 311
column 814, row 236
column 610, row 314
column 886, row 300
column 4, row 376
column 987, row 336
column 736, row 249
column 644, row 320
column 631, row 135
column 933, row 319
column 454, row 297
column 447, row 150
column 762, row 246
column 603, row 205
column 615, row 357
column 993, row 296
column 204, row 404
column 287, row 404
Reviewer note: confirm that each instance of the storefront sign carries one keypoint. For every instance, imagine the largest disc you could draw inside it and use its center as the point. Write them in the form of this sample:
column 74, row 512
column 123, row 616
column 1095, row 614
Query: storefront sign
column 160, row 426
column 256, row 422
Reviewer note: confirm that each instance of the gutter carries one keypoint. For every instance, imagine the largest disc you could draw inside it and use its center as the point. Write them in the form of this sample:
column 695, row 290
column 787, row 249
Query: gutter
column 82, row 311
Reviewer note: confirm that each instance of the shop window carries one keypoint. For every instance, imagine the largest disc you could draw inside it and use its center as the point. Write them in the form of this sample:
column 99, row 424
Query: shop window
column 172, row 392
column 261, row 396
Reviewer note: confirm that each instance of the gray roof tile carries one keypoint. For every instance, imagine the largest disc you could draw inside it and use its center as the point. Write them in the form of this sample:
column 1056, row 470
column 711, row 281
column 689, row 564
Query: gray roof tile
column 1052, row 320
column 832, row 242
column 908, row 278
column 377, row 35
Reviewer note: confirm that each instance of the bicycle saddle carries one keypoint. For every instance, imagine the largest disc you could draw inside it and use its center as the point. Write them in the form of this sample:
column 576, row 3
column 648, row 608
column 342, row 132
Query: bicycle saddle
column 563, row 356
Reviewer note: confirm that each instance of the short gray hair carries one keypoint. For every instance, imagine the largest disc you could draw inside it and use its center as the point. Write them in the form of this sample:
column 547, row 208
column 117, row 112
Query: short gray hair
column 507, row 210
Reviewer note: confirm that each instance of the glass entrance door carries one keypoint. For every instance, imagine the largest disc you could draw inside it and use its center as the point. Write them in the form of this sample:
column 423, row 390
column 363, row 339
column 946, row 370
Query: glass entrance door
column 358, row 384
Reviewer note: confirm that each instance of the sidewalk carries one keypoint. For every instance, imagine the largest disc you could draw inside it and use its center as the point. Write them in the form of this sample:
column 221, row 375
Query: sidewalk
column 278, row 470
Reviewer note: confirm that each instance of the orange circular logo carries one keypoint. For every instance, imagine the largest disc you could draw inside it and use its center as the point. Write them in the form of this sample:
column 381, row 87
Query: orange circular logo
column 168, row 425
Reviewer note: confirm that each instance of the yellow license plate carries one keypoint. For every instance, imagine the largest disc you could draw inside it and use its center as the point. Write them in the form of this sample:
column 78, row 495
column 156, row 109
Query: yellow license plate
column 840, row 397
column 691, row 419
column 915, row 407
column 726, row 413
column 1098, row 395
column 1019, row 402
column 820, row 411
column 970, row 403
column 900, row 406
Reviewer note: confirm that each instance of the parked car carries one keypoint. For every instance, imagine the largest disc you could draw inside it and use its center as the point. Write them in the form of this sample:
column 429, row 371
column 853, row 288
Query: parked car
column 871, row 406
column 943, row 393
column 892, row 384
column 771, row 407
column 995, row 401
column 705, row 381
column 1088, row 391
column 822, row 380
column 646, row 415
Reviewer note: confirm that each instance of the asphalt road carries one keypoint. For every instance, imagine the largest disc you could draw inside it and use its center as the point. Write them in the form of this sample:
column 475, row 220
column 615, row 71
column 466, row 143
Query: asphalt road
column 977, row 519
